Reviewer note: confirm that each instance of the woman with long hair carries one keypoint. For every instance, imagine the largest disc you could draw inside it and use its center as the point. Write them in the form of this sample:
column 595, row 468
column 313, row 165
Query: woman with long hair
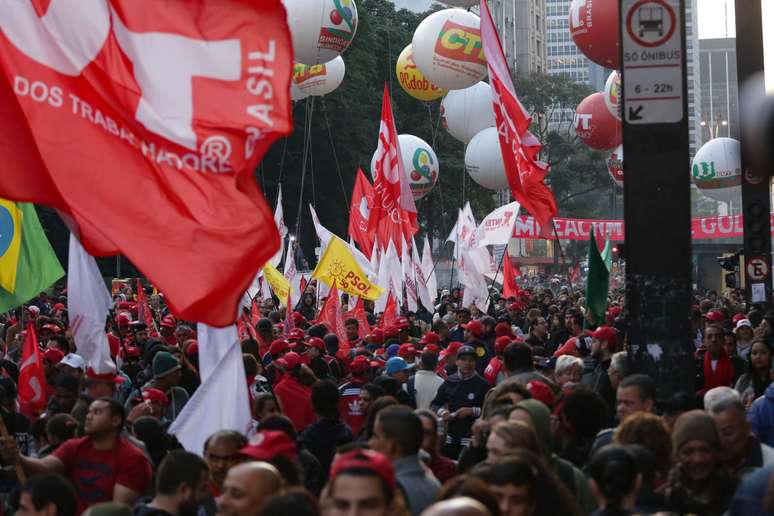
column 614, row 480
column 752, row 384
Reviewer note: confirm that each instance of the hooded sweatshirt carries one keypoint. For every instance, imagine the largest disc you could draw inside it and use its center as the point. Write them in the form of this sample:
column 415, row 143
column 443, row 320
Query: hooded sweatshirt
column 761, row 415
column 570, row 476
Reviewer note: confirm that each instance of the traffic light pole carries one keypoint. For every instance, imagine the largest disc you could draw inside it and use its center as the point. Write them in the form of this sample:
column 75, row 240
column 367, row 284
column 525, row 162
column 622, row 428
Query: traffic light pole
column 657, row 204
column 756, row 198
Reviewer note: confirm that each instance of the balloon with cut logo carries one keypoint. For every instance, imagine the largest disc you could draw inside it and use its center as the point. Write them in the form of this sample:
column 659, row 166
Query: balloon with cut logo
column 465, row 113
column 411, row 79
column 615, row 166
column 448, row 50
column 717, row 169
column 321, row 29
column 419, row 162
column 484, row 160
column 318, row 80
column 594, row 124
column 613, row 94
column 594, row 29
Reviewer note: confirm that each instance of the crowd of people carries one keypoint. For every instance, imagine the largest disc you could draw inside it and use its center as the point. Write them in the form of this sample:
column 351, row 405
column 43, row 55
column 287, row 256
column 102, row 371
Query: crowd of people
column 526, row 409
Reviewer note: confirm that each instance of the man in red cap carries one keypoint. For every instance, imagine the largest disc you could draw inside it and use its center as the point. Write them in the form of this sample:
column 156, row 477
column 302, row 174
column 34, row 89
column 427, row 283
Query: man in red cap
column 277, row 350
column 375, row 339
column 604, row 342
column 293, row 395
column 167, row 329
column 496, row 363
column 318, row 360
column 408, row 352
column 362, row 482
column 447, row 363
column 350, row 406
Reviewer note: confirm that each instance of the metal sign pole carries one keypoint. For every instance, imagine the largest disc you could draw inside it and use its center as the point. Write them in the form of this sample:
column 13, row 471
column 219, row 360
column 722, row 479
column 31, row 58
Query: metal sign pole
column 657, row 205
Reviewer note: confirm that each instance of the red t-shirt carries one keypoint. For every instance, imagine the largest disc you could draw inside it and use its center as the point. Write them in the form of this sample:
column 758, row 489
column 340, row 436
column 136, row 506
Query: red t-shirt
column 492, row 370
column 296, row 401
column 94, row 473
column 350, row 407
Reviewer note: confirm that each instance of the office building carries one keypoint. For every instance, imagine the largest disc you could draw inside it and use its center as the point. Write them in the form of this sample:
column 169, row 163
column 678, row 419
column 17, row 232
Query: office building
column 719, row 114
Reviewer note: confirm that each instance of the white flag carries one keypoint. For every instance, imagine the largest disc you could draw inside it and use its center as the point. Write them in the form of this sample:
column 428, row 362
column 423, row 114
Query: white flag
column 279, row 221
column 221, row 402
column 422, row 292
column 88, row 304
column 390, row 277
column 497, row 227
column 322, row 233
column 428, row 270
column 407, row 267
column 290, row 274
column 476, row 290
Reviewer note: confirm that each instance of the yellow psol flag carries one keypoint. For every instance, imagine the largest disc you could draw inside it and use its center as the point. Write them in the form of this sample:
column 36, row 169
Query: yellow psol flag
column 337, row 265
column 278, row 283
column 10, row 244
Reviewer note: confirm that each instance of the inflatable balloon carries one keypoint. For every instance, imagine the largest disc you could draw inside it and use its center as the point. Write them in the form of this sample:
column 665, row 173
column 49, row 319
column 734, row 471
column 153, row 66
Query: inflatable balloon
column 448, row 50
column 615, row 166
column 420, row 163
column 411, row 79
column 295, row 93
column 717, row 169
column 595, row 125
column 320, row 29
column 318, row 80
column 484, row 160
column 613, row 94
column 594, row 29
column 465, row 113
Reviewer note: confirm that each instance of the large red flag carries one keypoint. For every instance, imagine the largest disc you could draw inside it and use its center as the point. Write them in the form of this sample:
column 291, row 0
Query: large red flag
column 510, row 287
column 390, row 314
column 519, row 147
column 143, row 122
column 394, row 214
column 32, row 398
column 359, row 211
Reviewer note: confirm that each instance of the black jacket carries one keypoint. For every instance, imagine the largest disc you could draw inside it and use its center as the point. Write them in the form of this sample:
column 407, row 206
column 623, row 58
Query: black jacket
column 456, row 393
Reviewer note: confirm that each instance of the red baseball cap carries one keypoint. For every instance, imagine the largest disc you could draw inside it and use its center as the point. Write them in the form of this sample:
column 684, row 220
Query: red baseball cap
column 169, row 321
column 298, row 318
column 359, row 364
column 296, row 334
column 131, row 351
column 570, row 347
column 503, row 329
column 57, row 307
column 267, row 444
column 192, row 347
column 123, row 319
column 53, row 355
column 407, row 349
column 715, row 316
column 433, row 347
column 292, row 359
column 501, row 343
column 606, row 333
column 316, row 342
column 391, row 331
column 475, row 327
column 452, row 348
column 365, row 459
column 430, row 338
column 278, row 346
column 52, row 328
column 738, row 317
column 377, row 336
column 155, row 395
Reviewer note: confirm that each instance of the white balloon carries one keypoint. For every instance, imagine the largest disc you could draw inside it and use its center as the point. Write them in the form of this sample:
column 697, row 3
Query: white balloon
column 318, row 80
column 320, row 29
column 615, row 166
column 419, row 161
column 484, row 160
column 612, row 94
column 448, row 49
column 717, row 169
column 465, row 113
column 295, row 93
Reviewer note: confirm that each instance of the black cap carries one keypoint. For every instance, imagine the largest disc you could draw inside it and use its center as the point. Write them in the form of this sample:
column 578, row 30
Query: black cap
column 466, row 350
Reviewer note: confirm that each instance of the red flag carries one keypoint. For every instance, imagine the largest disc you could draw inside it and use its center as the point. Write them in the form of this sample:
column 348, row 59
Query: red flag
column 289, row 324
column 363, row 328
column 519, row 147
column 154, row 115
column 302, row 286
column 144, row 314
column 394, row 214
column 330, row 314
column 32, row 399
column 255, row 313
column 359, row 210
column 390, row 311
column 241, row 328
column 510, row 287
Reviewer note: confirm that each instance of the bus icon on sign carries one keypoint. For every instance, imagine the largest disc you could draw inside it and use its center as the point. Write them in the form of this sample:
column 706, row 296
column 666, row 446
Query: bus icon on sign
column 650, row 19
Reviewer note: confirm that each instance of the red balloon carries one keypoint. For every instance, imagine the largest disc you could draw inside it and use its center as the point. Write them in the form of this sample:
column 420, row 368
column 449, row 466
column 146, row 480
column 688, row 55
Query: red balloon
column 594, row 29
column 595, row 125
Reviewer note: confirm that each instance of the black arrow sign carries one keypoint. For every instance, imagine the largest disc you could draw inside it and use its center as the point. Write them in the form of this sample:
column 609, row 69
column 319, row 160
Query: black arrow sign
column 634, row 114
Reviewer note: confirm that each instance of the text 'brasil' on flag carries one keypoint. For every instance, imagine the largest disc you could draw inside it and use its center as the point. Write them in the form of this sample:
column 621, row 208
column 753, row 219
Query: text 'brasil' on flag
column 27, row 261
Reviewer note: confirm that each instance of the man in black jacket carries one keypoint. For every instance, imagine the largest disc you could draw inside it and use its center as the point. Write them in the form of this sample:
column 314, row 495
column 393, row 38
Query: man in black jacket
column 459, row 401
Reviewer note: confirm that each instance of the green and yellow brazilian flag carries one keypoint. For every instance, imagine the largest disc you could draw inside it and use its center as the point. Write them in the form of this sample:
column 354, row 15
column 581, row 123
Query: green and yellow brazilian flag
column 28, row 264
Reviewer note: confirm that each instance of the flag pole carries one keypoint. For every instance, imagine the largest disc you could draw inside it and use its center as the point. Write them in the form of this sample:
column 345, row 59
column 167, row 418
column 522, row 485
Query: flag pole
column 499, row 268
column 561, row 254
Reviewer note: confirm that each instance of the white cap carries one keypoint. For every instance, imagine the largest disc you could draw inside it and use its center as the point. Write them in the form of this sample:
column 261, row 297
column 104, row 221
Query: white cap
column 741, row 323
column 74, row 361
column 33, row 308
